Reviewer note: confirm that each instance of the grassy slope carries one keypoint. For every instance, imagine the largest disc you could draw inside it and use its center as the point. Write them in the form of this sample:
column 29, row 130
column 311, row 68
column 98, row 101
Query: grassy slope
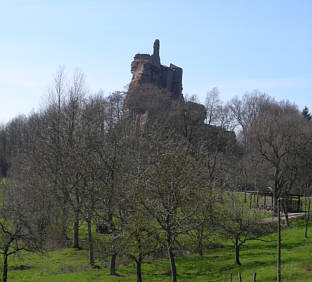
column 216, row 265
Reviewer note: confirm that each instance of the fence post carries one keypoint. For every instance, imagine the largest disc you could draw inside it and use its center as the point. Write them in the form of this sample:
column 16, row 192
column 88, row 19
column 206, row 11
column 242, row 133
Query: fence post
column 231, row 277
column 298, row 207
column 239, row 277
column 254, row 277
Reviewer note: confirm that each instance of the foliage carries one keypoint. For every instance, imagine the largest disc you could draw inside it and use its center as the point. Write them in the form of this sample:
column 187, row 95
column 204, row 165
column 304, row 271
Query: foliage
column 147, row 173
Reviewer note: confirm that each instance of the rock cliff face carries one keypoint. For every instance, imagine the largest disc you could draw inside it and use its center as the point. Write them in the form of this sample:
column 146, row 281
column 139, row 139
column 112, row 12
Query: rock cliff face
column 147, row 69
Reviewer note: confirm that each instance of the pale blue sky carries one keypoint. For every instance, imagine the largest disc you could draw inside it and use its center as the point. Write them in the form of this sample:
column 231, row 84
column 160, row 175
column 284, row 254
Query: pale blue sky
column 237, row 46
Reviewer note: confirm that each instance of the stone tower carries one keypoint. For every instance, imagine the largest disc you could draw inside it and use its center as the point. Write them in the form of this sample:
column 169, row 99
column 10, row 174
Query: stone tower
column 147, row 69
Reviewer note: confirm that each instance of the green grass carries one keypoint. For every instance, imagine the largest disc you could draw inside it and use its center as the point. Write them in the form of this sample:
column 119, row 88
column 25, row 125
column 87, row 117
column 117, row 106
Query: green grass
column 215, row 265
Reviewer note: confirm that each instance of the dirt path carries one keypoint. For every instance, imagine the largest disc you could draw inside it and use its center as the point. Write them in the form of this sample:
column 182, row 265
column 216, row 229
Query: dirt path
column 290, row 215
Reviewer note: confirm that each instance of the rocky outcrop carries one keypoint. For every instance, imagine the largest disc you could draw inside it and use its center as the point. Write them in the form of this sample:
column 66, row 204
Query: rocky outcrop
column 156, row 90
column 147, row 69
column 155, row 96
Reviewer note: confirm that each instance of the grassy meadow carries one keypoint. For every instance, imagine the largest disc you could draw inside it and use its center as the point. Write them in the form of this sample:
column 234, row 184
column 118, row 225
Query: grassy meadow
column 216, row 264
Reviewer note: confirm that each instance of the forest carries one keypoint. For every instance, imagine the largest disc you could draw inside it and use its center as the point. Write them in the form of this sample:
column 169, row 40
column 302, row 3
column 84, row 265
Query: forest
column 134, row 176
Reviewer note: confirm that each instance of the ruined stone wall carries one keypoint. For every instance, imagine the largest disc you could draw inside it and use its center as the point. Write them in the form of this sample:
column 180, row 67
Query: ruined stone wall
column 147, row 69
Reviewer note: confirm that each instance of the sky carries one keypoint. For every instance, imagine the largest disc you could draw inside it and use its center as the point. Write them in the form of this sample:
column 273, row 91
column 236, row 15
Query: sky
column 237, row 46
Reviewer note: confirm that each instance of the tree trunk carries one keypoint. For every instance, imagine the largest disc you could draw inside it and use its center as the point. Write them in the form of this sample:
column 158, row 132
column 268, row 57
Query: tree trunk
column 254, row 277
column 221, row 195
column 138, row 270
column 285, row 208
column 306, row 219
column 172, row 265
column 237, row 254
column 200, row 241
column 200, row 247
column 278, row 242
column 76, row 231
column 275, row 203
column 239, row 277
column 139, row 259
column 64, row 225
column 169, row 241
column 112, row 265
column 5, row 268
column 306, row 229
column 90, row 244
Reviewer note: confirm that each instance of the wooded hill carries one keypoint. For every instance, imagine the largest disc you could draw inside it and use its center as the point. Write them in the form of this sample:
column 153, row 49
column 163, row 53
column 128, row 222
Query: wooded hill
column 145, row 172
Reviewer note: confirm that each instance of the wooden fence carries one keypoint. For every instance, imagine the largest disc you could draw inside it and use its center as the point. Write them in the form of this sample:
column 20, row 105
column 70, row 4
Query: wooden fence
column 240, row 277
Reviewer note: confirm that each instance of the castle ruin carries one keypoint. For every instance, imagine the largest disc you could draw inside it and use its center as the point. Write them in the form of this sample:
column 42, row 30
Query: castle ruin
column 155, row 92
column 147, row 69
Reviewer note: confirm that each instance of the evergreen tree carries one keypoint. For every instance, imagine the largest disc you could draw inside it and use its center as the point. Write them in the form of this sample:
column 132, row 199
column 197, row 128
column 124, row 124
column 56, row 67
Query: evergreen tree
column 306, row 113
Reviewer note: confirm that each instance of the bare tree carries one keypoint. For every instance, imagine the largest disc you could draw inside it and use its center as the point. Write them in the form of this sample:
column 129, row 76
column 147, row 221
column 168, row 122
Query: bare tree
column 24, row 213
column 278, row 137
column 4, row 164
column 240, row 224
column 105, row 133
column 212, row 106
column 247, row 109
column 173, row 184
column 139, row 238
